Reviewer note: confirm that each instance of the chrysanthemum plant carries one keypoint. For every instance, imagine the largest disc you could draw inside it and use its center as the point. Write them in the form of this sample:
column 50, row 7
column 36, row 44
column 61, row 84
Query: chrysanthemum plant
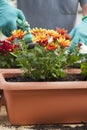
column 11, row 46
column 8, row 48
column 48, row 59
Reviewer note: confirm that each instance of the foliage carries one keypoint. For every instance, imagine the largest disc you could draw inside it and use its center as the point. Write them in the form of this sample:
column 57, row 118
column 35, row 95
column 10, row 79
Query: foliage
column 78, row 58
column 48, row 59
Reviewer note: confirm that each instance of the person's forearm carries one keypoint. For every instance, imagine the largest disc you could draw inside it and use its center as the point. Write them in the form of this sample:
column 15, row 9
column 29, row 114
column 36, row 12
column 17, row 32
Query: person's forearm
column 84, row 10
column 3, row 1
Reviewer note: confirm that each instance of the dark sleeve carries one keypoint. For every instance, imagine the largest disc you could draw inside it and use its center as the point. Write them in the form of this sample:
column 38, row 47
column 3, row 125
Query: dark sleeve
column 82, row 2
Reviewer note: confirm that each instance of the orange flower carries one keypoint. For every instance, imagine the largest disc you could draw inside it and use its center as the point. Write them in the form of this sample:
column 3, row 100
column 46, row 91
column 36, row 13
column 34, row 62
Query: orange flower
column 18, row 33
column 64, row 33
column 41, row 39
column 63, row 42
column 52, row 46
column 61, row 31
column 48, row 33
column 36, row 31
column 11, row 38
column 42, row 36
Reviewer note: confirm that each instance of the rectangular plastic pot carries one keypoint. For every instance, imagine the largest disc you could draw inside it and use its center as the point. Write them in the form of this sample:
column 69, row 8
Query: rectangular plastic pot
column 6, row 70
column 45, row 102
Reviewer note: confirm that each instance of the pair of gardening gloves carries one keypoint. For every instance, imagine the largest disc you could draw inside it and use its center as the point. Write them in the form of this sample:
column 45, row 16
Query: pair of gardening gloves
column 9, row 16
column 8, row 23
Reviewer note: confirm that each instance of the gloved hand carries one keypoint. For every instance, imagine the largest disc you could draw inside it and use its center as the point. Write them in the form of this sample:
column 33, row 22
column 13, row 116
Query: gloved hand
column 25, row 27
column 28, row 36
column 8, row 17
column 79, row 34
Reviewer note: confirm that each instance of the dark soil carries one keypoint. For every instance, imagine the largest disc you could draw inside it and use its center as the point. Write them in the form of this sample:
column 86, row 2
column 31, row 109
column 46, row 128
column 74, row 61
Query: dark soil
column 73, row 77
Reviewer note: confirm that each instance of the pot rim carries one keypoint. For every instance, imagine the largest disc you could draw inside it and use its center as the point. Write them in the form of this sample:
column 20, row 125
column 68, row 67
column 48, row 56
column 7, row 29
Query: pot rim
column 54, row 85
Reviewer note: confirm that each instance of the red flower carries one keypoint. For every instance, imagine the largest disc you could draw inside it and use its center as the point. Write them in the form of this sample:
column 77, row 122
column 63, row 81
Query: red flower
column 6, row 47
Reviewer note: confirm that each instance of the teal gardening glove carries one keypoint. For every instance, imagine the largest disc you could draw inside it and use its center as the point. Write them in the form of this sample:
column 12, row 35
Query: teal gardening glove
column 8, row 17
column 79, row 34
column 23, row 25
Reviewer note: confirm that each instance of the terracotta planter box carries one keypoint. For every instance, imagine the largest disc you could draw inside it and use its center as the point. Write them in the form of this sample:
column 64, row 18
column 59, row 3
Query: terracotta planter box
column 45, row 102
column 6, row 70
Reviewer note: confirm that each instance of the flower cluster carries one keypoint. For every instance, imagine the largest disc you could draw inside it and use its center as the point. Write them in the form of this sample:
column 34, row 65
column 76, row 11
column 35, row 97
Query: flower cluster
column 6, row 47
column 51, row 39
column 11, row 43
column 19, row 34
column 9, row 47
column 48, row 59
